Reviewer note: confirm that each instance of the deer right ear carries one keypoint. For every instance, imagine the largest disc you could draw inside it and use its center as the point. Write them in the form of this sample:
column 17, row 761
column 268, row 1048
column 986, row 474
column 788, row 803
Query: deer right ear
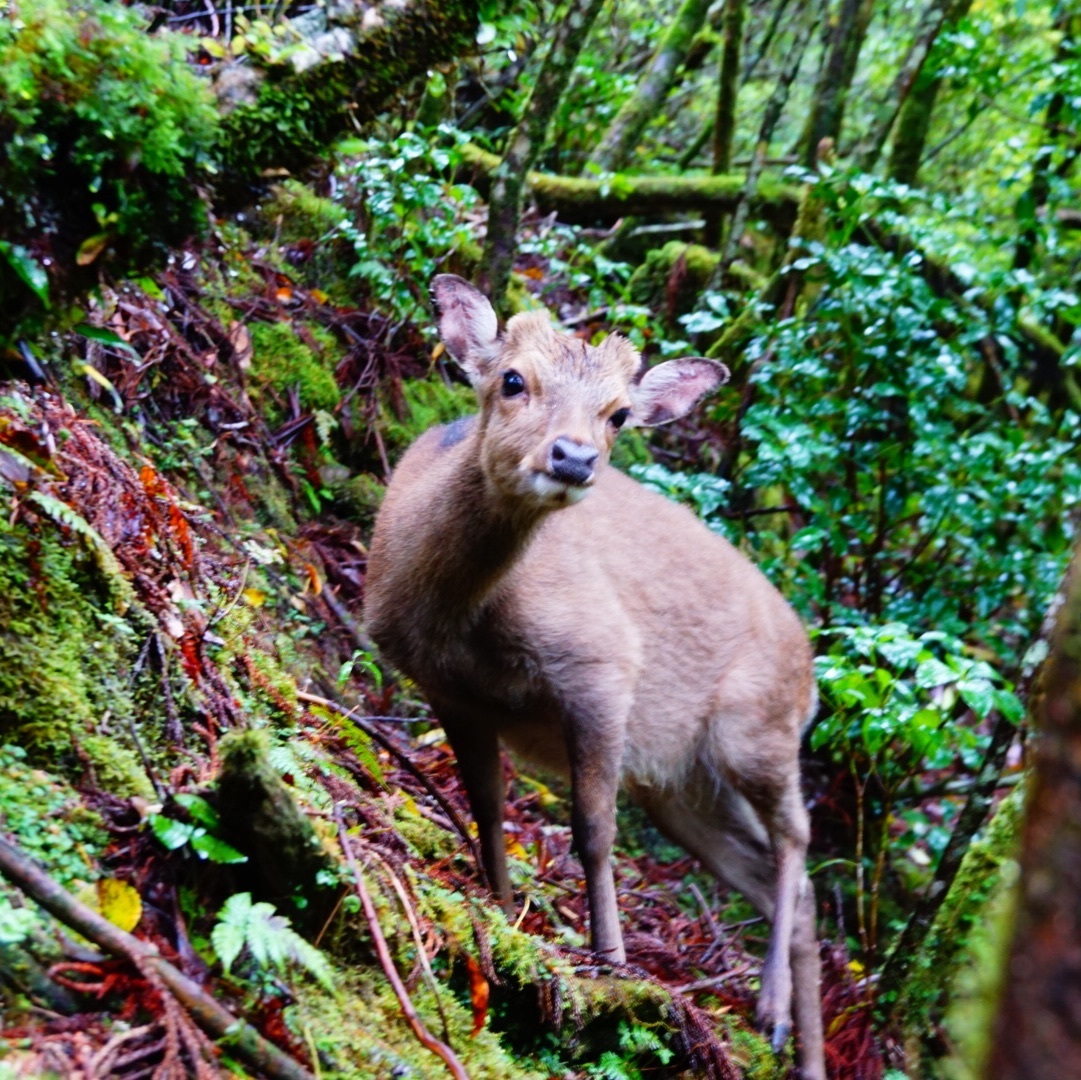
column 467, row 324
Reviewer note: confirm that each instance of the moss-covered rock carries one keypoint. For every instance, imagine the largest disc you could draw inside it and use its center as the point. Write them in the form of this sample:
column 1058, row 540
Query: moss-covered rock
column 672, row 277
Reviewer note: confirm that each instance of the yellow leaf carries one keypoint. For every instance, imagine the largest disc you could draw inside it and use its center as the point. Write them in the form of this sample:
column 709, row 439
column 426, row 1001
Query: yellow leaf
column 515, row 850
column 319, row 296
column 255, row 597
column 545, row 794
column 91, row 248
column 119, row 903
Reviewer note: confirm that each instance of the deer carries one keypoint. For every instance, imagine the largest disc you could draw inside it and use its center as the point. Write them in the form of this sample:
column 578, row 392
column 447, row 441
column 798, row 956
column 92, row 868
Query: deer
column 546, row 602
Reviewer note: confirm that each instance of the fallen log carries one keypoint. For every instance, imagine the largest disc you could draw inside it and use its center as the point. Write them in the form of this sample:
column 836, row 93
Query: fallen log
column 578, row 199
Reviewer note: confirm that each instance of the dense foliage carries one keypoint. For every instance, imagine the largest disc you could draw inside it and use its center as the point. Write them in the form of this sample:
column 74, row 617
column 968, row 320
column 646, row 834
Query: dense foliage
column 104, row 135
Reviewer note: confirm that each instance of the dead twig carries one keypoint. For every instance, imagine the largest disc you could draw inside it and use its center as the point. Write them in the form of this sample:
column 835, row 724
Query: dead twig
column 424, row 1036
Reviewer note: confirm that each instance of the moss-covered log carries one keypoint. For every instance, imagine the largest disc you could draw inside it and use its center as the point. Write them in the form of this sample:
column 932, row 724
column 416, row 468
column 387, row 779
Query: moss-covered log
column 577, row 199
column 345, row 73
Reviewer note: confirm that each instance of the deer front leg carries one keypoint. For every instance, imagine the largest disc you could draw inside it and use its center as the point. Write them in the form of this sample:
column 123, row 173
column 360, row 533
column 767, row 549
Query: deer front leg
column 595, row 757
column 476, row 746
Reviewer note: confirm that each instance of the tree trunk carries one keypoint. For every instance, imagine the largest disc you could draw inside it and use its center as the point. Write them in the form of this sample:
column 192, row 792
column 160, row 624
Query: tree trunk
column 704, row 136
column 774, row 108
column 870, row 150
column 834, row 79
column 1032, row 201
column 1036, row 1031
column 724, row 131
column 914, row 121
column 526, row 141
column 626, row 129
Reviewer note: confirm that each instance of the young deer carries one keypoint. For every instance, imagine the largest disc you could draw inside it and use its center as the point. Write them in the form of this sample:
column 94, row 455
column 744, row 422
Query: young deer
column 544, row 601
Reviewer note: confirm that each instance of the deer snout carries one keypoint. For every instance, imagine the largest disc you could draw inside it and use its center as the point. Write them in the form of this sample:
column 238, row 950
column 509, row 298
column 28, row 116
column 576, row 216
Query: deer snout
column 572, row 462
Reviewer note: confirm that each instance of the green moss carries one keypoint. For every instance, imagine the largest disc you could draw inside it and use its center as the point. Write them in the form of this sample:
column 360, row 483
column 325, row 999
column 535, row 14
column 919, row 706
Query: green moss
column 47, row 819
column 649, row 284
column 104, row 135
column 954, row 974
column 64, row 651
column 359, row 497
column 282, row 361
column 116, row 768
column 424, row 403
column 363, row 1033
column 297, row 218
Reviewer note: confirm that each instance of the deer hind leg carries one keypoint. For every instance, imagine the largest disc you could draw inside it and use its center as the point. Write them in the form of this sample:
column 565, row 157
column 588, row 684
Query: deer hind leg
column 763, row 861
column 792, row 967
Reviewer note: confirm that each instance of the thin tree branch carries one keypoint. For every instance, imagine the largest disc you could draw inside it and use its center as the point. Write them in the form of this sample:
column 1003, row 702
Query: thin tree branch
column 244, row 1041
column 386, row 961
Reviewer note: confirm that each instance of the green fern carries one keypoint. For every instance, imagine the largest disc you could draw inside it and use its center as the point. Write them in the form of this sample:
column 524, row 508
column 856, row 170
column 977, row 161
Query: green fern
column 270, row 941
column 64, row 515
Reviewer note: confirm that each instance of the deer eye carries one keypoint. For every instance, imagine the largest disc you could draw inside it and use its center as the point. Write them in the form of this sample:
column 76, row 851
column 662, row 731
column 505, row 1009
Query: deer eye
column 513, row 384
column 619, row 418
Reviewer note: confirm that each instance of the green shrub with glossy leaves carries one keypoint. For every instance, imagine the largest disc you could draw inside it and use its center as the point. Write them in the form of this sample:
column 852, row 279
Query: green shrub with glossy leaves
column 104, row 130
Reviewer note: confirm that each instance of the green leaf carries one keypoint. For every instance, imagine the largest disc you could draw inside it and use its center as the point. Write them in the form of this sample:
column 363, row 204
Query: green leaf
column 200, row 810
column 217, row 851
column 29, row 270
column 228, row 936
column 173, row 834
column 932, row 672
column 978, row 695
column 106, row 337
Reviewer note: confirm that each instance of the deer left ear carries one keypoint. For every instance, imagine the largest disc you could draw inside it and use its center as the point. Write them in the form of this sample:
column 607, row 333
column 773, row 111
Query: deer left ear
column 670, row 390
column 467, row 323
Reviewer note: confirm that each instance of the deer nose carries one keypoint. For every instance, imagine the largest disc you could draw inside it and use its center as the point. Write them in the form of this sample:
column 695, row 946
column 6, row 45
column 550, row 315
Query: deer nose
column 572, row 462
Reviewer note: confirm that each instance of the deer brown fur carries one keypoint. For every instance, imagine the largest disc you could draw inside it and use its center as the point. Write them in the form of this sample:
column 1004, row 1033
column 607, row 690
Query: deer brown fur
column 551, row 604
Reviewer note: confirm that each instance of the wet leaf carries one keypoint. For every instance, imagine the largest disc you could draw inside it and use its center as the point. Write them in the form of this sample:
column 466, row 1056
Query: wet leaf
column 29, row 270
column 478, row 994
column 120, row 903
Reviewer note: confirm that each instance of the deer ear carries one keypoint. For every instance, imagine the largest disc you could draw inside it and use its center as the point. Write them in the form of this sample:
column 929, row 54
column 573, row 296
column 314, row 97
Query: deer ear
column 467, row 324
column 670, row 390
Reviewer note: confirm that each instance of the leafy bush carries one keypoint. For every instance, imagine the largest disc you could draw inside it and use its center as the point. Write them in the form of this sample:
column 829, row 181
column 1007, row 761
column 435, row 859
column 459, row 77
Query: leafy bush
column 102, row 129
column 921, row 502
column 412, row 219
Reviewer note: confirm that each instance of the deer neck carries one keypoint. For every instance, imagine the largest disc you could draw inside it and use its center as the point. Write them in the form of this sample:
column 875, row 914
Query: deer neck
column 468, row 542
